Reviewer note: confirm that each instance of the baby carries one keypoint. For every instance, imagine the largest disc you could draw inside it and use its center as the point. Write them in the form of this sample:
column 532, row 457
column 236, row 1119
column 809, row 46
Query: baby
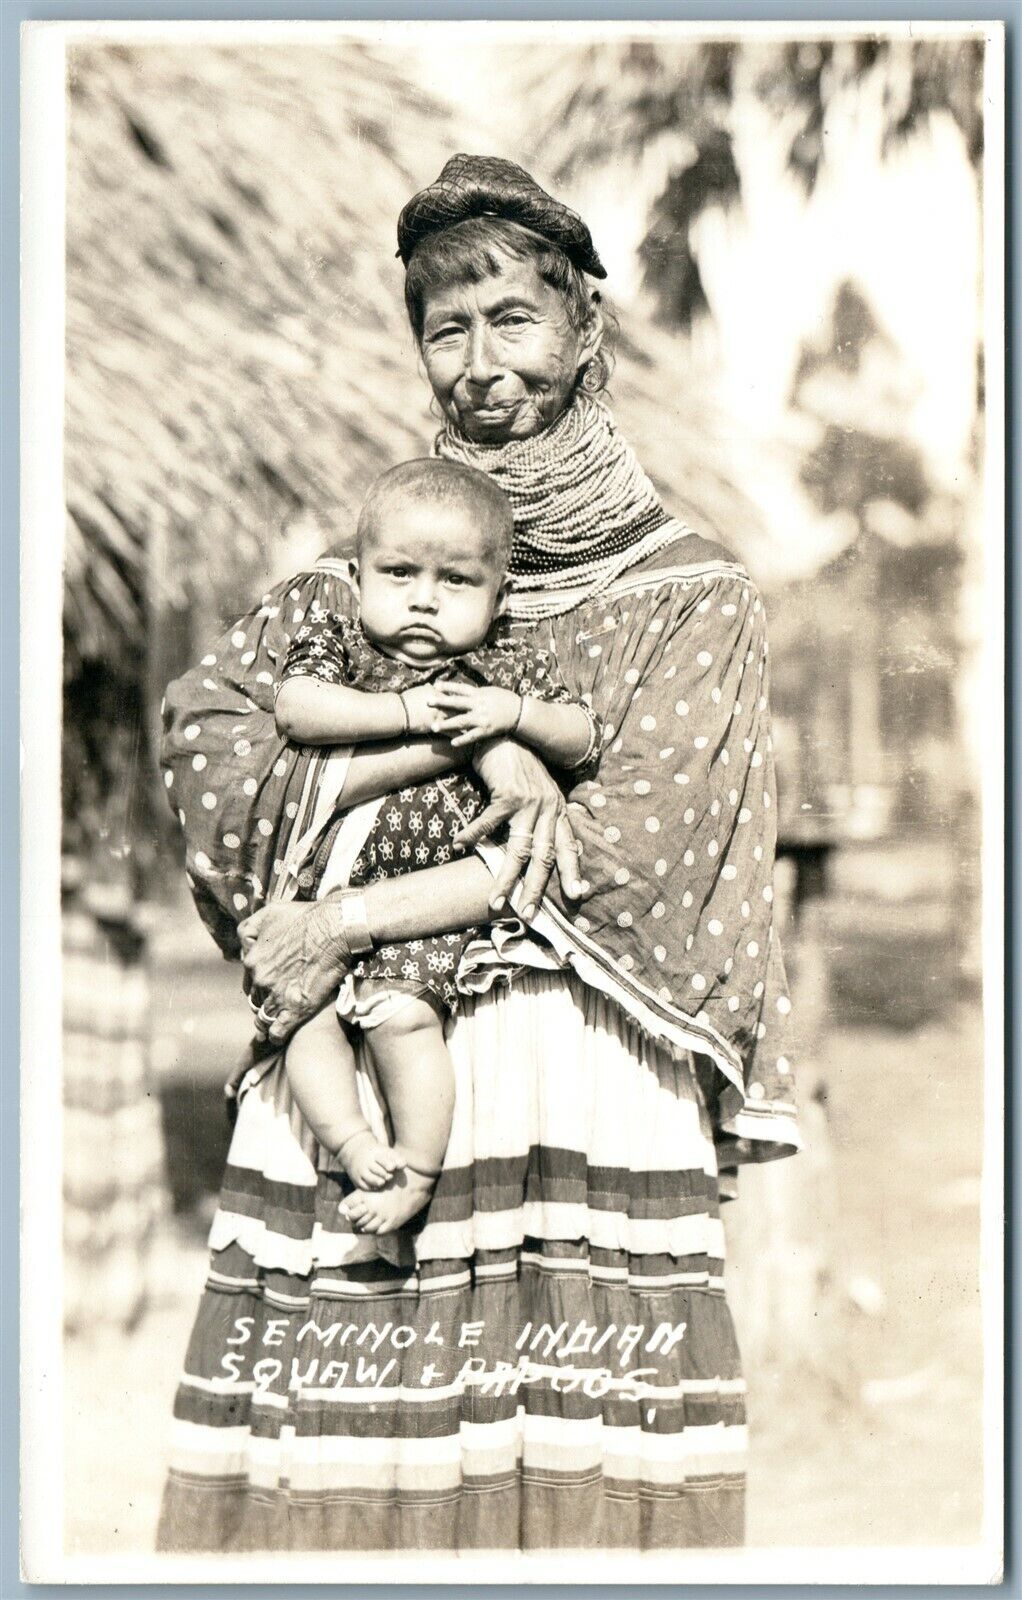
column 428, row 655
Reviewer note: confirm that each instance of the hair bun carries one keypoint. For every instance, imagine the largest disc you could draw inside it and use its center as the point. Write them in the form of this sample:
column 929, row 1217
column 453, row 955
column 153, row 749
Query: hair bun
column 487, row 186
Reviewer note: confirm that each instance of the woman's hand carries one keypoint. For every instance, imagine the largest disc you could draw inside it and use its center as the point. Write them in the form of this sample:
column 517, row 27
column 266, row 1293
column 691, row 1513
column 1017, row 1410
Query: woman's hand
column 469, row 712
column 523, row 795
column 295, row 955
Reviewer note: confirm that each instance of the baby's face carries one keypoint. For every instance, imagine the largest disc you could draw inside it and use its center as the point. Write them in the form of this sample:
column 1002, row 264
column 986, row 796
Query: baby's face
column 429, row 581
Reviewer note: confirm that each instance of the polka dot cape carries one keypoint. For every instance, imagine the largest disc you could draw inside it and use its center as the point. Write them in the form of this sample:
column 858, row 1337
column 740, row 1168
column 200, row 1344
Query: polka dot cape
column 239, row 791
column 678, row 831
column 678, row 827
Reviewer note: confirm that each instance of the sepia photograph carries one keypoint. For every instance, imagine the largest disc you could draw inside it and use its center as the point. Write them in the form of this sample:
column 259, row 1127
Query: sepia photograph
column 512, row 672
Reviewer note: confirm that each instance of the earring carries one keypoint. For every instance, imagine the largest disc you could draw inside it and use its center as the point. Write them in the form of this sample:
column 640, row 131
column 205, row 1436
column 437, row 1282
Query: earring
column 592, row 376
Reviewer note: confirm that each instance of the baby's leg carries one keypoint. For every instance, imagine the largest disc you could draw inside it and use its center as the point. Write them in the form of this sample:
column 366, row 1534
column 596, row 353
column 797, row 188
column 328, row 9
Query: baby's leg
column 417, row 1077
column 320, row 1067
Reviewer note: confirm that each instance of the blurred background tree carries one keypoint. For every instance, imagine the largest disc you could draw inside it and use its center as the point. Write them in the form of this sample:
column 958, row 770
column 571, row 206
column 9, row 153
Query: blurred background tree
column 609, row 101
column 687, row 123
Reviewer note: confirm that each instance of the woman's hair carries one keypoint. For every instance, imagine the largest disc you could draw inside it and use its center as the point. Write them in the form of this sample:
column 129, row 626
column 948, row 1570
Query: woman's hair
column 470, row 251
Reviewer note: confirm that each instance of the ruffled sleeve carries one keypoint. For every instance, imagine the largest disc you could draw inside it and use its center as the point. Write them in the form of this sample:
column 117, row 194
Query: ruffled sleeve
column 240, row 791
column 679, row 833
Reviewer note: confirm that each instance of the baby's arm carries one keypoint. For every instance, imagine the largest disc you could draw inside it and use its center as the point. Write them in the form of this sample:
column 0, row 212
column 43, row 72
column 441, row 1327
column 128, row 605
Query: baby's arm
column 311, row 711
column 315, row 703
column 558, row 730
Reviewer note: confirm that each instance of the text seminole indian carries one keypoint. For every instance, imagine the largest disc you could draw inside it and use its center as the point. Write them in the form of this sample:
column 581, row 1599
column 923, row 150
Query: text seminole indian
column 368, row 1363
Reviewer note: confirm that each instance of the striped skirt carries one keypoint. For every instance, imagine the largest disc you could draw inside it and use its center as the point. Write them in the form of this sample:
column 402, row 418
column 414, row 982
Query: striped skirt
column 548, row 1362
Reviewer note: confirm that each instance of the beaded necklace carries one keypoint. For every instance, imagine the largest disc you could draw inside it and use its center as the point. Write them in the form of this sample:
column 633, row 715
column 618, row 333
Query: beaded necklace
column 584, row 510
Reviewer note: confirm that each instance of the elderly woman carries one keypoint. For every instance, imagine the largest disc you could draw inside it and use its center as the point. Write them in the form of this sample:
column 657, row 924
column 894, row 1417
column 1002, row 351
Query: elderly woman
column 545, row 1357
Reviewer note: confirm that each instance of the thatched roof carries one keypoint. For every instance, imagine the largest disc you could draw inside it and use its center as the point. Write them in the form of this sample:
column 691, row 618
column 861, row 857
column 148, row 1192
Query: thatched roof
column 239, row 365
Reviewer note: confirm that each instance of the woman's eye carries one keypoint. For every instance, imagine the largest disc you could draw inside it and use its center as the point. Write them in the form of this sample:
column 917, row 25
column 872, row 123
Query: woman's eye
column 514, row 319
column 443, row 335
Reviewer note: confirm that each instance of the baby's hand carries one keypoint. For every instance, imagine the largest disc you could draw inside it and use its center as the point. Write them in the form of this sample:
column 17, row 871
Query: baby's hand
column 469, row 713
column 422, row 718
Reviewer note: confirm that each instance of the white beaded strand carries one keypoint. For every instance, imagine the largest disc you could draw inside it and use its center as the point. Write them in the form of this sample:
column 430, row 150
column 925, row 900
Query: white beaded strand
column 584, row 510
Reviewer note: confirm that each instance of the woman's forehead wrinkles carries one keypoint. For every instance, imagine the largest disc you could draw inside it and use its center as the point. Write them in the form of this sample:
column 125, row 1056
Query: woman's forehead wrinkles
column 490, row 296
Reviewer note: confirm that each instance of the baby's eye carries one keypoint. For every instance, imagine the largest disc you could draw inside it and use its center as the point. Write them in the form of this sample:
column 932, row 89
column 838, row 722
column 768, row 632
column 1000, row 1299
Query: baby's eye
column 397, row 572
column 456, row 578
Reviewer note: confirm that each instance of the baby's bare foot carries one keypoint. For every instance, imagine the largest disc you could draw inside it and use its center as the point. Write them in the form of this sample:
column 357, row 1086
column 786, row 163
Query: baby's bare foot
column 368, row 1163
column 402, row 1198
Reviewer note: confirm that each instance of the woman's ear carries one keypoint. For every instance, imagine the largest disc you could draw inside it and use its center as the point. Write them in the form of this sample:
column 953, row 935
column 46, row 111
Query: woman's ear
column 591, row 332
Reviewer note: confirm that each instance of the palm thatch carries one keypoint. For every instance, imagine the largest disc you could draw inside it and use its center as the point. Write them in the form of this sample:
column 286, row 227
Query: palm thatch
column 234, row 360
column 238, row 362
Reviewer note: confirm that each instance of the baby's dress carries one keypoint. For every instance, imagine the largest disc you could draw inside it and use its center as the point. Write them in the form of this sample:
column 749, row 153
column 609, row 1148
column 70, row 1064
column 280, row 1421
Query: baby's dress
column 415, row 827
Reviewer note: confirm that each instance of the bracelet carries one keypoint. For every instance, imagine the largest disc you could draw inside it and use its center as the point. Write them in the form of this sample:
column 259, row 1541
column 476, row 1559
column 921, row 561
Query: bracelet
column 595, row 736
column 404, row 711
column 354, row 922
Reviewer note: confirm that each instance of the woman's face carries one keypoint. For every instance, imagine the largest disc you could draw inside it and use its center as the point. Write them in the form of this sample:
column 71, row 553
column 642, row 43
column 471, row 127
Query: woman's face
column 502, row 356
